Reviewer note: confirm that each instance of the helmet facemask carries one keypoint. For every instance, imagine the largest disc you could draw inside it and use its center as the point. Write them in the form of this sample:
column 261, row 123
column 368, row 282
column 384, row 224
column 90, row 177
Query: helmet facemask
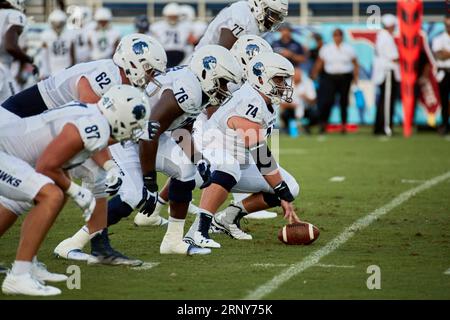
column 272, row 19
column 220, row 93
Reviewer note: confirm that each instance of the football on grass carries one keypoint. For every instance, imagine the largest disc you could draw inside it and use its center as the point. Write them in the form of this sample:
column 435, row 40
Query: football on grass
column 298, row 233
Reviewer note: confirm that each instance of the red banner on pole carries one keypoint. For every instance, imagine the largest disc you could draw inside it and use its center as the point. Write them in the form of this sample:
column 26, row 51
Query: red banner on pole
column 409, row 14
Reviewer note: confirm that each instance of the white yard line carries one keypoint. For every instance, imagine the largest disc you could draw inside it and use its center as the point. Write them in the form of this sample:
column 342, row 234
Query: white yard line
column 280, row 265
column 347, row 234
column 412, row 181
column 146, row 266
column 447, row 272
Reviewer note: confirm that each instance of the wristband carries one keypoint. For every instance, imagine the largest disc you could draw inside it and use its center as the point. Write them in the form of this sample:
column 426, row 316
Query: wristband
column 73, row 189
column 282, row 191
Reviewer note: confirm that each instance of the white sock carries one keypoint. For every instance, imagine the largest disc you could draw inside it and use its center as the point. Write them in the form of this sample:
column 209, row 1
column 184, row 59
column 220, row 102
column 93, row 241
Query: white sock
column 82, row 237
column 194, row 227
column 175, row 229
column 21, row 267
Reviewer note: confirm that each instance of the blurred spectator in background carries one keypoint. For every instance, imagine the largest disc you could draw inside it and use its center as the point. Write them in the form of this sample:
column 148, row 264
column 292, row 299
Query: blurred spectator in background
column 288, row 47
column 103, row 40
column 314, row 52
column 57, row 45
column 386, row 74
column 441, row 50
column 302, row 100
column 338, row 60
column 174, row 34
column 142, row 25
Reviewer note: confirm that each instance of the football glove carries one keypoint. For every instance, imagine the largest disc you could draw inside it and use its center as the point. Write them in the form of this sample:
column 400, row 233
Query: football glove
column 113, row 177
column 204, row 169
column 83, row 198
column 149, row 194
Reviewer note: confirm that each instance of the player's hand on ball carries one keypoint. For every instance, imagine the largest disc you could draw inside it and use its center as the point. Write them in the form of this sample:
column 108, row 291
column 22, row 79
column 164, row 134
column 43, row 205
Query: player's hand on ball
column 113, row 177
column 83, row 198
column 289, row 212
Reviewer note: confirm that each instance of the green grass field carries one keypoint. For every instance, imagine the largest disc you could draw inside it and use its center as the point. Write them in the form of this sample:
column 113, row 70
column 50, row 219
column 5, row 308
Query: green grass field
column 410, row 244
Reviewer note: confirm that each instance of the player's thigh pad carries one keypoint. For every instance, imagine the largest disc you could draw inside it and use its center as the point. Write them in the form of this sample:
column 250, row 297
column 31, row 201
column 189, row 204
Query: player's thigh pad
column 93, row 177
column 19, row 183
column 252, row 181
column 172, row 161
column 222, row 160
column 128, row 161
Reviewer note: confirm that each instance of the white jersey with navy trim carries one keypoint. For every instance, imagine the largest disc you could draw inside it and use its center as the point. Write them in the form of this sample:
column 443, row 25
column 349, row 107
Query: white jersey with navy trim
column 57, row 49
column 61, row 88
column 102, row 43
column 172, row 37
column 238, row 18
column 9, row 18
column 187, row 90
column 27, row 138
column 246, row 103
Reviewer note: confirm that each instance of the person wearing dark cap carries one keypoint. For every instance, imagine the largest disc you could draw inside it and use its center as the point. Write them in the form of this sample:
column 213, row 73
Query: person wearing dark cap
column 288, row 47
column 340, row 67
column 142, row 25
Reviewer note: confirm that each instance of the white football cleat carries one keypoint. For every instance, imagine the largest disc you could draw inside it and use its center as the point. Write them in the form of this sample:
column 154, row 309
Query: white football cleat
column 181, row 247
column 230, row 229
column 40, row 272
column 200, row 241
column 68, row 249
column 26, row 284
column 142, row 220
column 263, row 214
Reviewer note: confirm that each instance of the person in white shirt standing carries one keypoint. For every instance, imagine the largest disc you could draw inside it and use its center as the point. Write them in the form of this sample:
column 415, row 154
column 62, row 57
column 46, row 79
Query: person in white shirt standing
column 386, row 74
column 174, row 34
column 104, row 40
column 81, row 25
column 441, row 50
column 57, row 44
column 338, row 59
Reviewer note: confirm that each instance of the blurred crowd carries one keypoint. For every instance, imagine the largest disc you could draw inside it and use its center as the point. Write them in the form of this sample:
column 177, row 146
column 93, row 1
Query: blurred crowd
column 326, row 75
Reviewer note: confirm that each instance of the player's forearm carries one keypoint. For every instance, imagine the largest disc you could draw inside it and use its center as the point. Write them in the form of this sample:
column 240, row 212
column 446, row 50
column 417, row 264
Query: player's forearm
column 274, row 178
column 147, row 155
column 56, row 174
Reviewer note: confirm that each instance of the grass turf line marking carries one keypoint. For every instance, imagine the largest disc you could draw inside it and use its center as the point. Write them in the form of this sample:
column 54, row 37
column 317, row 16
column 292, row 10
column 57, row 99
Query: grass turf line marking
column 145, row 266
column 337, row 179
column 447, row 272
column 319, row 265
column 347, row 234
column 412, row 181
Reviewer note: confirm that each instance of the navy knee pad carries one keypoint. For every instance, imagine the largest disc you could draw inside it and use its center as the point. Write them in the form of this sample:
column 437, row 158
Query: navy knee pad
column 117, row 209
column 271, row 199
column 223, row 179
column 180, row 191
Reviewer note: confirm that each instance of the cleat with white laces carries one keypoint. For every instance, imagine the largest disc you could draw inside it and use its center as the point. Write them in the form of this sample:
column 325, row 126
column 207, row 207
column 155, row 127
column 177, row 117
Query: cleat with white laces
column 68, row 249
column 26, row 284
column 40, row 272
column 103, row 253
column 230, row 229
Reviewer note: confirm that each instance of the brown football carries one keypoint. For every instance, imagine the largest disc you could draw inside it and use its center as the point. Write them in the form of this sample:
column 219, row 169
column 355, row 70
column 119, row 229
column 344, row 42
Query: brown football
column 298, row 233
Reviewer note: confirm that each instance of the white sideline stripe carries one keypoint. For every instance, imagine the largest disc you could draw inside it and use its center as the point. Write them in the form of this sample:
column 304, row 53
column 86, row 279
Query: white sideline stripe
column 342, row 238
column 447, row 272
column 320, row 265
column 146, row 266
column 411, row 181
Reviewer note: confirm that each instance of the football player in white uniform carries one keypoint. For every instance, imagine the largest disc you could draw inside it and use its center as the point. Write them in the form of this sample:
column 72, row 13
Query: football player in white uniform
column 137, row 59
column 103, row 40
column 244, row 50
column 81, row 25
column 174, row 34
column 36, row 153
column 58, row 45
column 244, row 17
column 183, row 95
column 12, row 23
column 236, row 146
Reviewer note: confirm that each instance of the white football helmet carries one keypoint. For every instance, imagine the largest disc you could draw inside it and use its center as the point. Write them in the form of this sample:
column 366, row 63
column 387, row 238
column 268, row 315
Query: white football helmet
column 187, row 12
column 247, row 47
column 103, row 14
column 269, row 13
column 127, row 110
column 271, row 74
column 171, row 12
column 141, row 57
column 17, row 4
column 214, row 67
column 57, row 19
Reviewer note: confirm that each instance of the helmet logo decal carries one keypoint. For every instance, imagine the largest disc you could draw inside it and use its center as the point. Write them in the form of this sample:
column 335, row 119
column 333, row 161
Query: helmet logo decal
column 140, row 48
column 252, row 50
column 258, row 69
column 139, row 112
column 209, row 62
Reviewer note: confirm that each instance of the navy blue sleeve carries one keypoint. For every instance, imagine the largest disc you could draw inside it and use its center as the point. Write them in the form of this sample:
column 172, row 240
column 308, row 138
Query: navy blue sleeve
column 26, row 103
